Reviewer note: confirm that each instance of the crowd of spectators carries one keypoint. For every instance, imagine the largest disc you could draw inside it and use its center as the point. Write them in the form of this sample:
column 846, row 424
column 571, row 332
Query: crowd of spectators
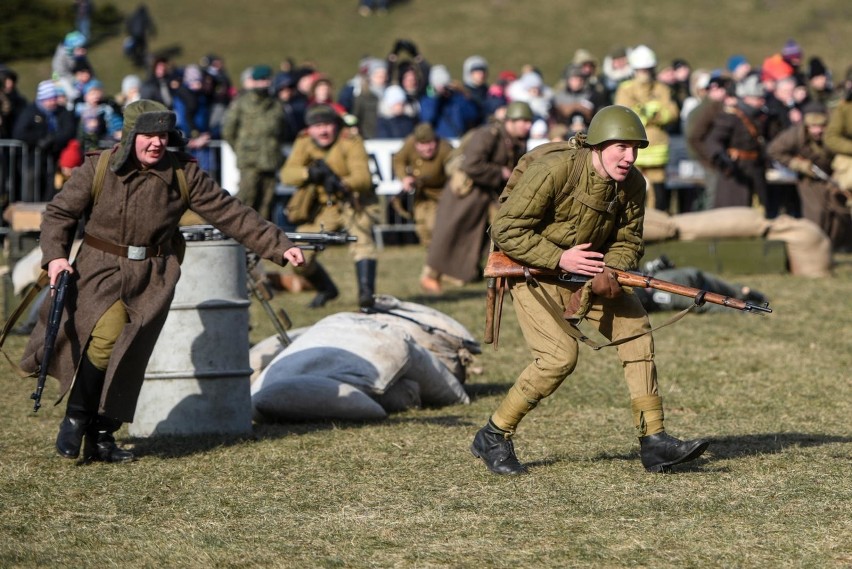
column 387, row 97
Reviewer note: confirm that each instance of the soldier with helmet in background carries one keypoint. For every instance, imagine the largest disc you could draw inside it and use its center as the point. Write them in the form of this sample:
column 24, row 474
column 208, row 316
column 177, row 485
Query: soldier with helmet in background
column 419, row 165
column 579, row 207
column 487, row 155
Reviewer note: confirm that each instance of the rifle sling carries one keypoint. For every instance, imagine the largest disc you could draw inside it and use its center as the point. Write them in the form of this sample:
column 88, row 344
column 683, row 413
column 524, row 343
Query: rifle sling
column 554, row 309
column 27, row 299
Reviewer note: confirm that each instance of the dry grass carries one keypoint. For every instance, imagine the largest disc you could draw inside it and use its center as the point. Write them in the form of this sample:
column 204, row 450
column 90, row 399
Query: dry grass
column 772, row 391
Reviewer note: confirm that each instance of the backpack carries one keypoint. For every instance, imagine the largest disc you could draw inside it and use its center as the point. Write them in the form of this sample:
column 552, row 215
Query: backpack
column 457, row 179
column 178, row 242
column 575, row 143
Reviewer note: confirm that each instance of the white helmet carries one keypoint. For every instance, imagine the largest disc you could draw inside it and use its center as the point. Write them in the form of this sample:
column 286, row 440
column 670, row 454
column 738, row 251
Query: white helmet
column 751, row 87
column 642, row 57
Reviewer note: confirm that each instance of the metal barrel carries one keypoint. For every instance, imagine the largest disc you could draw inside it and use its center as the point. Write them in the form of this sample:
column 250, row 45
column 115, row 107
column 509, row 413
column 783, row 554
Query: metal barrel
column 197, row 380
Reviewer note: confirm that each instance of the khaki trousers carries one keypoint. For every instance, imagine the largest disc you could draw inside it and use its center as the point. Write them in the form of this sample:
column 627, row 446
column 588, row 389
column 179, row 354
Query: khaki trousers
column 105, row 334
column 424, row 220
column 555, row 353
column 340, row 217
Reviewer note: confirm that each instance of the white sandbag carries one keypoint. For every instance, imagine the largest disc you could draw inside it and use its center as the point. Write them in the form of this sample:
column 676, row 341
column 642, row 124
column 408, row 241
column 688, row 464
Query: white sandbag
column 28, row 268
column 404, row 394
column 312, row 398
column 658, row 226
column 722, row 223
column 349, row 347
column 262, row 354
column 438, row 386
column 445, row 337
column 808, row 247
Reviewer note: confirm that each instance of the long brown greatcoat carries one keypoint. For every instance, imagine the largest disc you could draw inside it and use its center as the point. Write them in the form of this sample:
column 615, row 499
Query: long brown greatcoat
column 796, row 150
column 141, row 208
column 730, row 133
column 459, row 238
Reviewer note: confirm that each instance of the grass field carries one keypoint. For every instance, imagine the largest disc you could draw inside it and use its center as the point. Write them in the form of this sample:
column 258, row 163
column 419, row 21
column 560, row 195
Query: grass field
column 773, row 393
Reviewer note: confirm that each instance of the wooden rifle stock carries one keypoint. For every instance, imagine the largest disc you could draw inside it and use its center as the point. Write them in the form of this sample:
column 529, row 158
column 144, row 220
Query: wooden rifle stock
column 501, row 265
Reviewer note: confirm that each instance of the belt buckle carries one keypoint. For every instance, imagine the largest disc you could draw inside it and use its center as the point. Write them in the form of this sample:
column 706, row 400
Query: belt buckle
column 136, row 253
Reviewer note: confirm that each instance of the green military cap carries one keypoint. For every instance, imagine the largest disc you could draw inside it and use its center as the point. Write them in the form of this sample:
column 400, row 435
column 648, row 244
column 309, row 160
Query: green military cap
column 424, row 132
column 321, row 114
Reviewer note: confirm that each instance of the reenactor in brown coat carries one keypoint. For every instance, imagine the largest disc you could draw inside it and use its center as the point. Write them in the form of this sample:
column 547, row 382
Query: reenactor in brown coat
column 490, row 152
column 334, row 192
column 698, row 127
column 419, row 164
column 737, row 147
column 801, row 148
column 123, row 279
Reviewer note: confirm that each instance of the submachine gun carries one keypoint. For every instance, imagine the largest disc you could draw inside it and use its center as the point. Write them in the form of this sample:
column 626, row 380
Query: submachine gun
column 51, row 331
column 259, row 287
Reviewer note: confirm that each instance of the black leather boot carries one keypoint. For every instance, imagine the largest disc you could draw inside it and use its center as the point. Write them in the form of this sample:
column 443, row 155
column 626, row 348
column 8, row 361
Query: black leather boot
column 70, row 437
column 366, row 271
column 661, row 451
column 496, row 451
column 83, row 401
column 325, row 287
column 100, row 442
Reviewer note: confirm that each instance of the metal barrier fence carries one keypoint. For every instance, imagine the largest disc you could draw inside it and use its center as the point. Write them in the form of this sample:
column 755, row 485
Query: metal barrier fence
column 26, row 176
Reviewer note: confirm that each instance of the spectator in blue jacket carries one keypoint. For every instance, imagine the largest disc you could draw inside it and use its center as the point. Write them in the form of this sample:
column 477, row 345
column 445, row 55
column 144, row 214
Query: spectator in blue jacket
column 445, row 106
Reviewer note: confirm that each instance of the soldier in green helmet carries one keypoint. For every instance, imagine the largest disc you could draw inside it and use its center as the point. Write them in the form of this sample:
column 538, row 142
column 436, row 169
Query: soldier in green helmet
column 579, row 206
column 486, row 156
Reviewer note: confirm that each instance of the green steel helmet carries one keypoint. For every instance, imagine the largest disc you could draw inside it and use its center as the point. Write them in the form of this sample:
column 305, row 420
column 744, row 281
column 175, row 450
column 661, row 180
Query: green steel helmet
column 616, row 123
column 519, row 110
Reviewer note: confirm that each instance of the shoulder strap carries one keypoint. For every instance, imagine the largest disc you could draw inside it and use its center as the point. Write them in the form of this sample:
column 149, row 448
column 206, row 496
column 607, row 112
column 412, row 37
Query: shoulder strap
column 29, row 296
column 100, row 174
column 103, row 163
column 574, row 177
column 181, row 176
column 752, row 130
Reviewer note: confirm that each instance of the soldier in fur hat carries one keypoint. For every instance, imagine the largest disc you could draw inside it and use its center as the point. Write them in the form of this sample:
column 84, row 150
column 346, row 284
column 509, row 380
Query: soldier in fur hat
column 123, row 279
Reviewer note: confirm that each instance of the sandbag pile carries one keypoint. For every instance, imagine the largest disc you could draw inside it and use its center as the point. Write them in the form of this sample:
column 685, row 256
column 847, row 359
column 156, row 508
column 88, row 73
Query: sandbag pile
column 808, row 247
column 355, row 366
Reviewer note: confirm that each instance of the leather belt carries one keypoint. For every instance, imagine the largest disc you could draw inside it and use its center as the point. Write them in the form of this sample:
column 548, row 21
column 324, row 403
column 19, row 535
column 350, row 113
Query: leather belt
column 743, row 154
column 128, row 251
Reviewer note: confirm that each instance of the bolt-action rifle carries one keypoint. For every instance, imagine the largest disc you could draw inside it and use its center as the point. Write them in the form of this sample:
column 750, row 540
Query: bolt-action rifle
column 835, row 187
column 500, row 266
column 51, row 331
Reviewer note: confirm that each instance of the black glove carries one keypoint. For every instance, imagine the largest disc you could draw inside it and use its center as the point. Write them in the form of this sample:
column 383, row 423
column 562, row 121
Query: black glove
column 317, row 171
column 46, row 143
column 724, row 163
